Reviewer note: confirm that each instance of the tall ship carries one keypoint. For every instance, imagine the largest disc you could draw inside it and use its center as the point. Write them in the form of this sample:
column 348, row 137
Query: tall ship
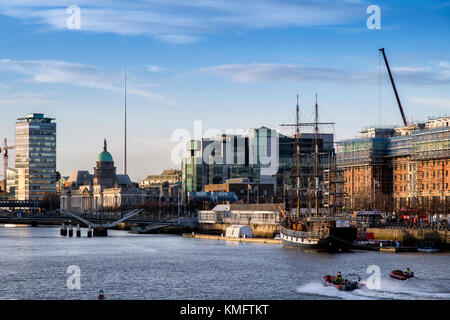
column 314, row 216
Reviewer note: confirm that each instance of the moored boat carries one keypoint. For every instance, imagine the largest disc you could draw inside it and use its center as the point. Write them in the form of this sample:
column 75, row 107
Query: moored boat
column 317, row 222
column 428, row 249
column 330, row 238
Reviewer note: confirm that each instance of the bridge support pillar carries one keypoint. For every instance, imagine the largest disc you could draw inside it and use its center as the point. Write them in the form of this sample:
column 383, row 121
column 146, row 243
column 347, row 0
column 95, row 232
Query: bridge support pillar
column 100, row 232
column 63, row 231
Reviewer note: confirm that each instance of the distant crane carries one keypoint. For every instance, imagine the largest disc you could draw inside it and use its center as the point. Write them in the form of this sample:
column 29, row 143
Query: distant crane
column 5, row 161
column 395, row 89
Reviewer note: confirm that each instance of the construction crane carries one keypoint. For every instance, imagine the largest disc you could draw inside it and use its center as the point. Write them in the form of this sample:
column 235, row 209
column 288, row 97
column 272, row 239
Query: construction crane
column 395, row 89
column 5, row 149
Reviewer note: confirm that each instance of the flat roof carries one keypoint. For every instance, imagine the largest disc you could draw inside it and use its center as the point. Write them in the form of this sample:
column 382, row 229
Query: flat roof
column 36, row 116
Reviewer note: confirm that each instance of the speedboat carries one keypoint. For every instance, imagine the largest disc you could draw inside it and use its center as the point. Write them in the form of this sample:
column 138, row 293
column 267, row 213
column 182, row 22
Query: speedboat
column 345, row 285
column 400, row 275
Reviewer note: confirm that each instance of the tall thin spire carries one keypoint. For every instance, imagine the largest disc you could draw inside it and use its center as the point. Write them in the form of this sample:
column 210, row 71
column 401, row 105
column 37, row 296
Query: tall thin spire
column 125, row 126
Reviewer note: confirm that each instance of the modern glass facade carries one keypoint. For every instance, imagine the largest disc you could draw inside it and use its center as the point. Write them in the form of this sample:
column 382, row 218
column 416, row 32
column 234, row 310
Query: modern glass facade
column 35, row 157
column 213, row 161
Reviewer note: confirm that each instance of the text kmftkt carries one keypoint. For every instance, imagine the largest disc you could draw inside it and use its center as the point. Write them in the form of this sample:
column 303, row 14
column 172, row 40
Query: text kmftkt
column 231, row 309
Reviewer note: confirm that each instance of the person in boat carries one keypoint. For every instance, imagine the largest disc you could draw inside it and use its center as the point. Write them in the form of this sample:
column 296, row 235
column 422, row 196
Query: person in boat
column 338, row 278
column 408, row 272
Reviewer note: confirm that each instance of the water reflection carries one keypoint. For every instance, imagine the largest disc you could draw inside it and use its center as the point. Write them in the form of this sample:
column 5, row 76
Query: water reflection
column 33, row 263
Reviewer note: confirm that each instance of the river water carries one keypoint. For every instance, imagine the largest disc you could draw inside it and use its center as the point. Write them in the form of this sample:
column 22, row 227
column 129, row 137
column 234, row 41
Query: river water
column 34, row 261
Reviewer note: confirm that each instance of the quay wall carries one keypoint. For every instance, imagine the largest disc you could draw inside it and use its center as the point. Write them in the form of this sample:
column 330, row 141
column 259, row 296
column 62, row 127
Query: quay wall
column 214, row 237
column 412, row 236
column 259, row 230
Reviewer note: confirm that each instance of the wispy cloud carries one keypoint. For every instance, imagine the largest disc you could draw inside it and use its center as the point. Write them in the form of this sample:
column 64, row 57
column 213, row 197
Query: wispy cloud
column 81, row 75
column 261, row 72
column 432, row 101
column 179, row 21
column 23, row 99
column 155, row 68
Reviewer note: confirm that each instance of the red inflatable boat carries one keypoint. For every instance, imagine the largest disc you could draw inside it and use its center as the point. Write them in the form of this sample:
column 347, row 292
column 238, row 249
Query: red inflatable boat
column 400, row 275
column 346, row 285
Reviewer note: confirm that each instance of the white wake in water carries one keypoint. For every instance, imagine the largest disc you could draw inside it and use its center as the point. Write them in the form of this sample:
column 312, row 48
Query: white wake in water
column 390, row 289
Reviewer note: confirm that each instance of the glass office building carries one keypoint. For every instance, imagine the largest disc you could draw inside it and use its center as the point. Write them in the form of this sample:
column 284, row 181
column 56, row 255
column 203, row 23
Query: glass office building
column 35, row 157
column 263, row 156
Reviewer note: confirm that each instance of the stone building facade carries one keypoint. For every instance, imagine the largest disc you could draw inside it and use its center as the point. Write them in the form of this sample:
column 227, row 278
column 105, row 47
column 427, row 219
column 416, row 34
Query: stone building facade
column 104, row 190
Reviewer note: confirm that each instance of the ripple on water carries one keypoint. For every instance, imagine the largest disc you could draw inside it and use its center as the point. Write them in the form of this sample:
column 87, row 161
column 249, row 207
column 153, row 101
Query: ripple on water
column 33, row 263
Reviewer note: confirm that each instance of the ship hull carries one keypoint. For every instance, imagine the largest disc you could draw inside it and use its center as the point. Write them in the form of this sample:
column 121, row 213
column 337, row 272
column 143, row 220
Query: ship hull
column 339, row 239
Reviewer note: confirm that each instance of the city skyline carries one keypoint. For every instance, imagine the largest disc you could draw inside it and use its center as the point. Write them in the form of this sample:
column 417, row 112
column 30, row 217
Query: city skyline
column 76, row 76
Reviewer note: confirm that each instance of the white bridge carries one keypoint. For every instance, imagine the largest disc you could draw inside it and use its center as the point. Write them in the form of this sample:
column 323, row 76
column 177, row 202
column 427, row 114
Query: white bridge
column 127, row 216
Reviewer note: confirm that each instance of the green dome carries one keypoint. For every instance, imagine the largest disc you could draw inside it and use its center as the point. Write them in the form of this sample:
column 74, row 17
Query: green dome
column 105, row 155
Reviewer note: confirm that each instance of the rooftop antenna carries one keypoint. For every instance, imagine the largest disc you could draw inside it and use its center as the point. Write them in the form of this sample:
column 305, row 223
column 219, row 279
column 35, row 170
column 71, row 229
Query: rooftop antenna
column 125, row 142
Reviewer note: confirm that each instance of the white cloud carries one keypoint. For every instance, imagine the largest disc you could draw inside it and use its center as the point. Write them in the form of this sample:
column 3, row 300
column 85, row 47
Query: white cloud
column 23, row 99
column 154, row 68
column 257, row 72
column 179, row 21
column 81, row 75
column 260, row 72
column 432, row 101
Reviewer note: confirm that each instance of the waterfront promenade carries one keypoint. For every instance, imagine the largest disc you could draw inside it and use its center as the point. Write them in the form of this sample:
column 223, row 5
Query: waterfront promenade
column 214, row 237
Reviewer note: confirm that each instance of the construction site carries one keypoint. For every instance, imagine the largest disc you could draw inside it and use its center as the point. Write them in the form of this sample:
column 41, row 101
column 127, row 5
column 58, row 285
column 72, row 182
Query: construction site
column 8, row 174
column 401, row 169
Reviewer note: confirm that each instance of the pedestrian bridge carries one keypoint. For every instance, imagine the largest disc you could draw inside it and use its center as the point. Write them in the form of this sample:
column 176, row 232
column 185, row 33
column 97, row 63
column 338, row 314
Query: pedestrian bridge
column 99, row 222
column 91, row 224
column 100, row 229
column 11, row 203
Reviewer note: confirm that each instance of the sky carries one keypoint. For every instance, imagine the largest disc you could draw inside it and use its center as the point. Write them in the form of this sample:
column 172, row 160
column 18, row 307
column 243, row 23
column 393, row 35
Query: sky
column 229, row 64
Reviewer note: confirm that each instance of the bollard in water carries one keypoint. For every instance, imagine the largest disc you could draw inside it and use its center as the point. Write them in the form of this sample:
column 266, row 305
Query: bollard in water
column 89, row 232
column 70, row 231
column 78, row 231
column 63, row 230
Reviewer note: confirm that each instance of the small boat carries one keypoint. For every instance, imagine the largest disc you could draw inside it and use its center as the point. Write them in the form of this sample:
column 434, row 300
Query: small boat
column 101, row 295
column 400, row 275
column 345, row 285
column 428, row 249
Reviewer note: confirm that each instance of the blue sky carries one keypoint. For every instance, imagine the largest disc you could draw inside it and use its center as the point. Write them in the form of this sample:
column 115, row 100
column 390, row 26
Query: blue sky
column 231, row 64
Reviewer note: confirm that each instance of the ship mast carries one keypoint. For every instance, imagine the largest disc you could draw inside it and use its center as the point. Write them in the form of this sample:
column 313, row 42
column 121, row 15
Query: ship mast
column 316, row 158
column 297, row 156
column 297, row 162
